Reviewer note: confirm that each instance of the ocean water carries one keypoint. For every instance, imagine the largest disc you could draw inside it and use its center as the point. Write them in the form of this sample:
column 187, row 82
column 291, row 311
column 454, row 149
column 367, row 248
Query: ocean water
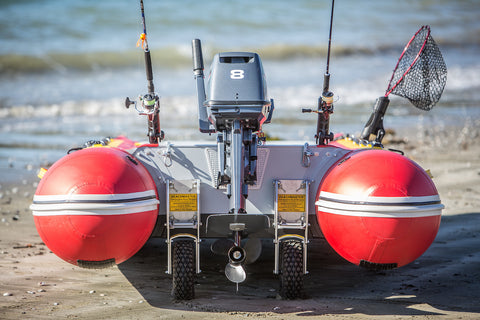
column 67, row 66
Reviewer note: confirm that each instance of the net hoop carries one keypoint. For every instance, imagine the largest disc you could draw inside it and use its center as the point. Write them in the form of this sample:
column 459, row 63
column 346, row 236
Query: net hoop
column 389, row 88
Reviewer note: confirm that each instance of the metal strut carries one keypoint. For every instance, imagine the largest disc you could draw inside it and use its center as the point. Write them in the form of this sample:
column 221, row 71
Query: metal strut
column 183, row 213
column 237, row 199
column 291, row 215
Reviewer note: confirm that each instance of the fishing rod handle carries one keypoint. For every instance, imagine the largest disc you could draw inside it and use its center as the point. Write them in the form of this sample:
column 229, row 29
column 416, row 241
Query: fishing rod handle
column 326, row 83
column 149, row 72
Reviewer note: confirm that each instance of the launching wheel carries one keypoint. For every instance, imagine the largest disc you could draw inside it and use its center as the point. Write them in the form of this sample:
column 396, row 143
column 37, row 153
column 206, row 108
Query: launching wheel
column 291, row 276
column 183, row 270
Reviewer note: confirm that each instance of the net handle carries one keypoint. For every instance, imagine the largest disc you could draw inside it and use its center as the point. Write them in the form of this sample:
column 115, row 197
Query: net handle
column 414, row 60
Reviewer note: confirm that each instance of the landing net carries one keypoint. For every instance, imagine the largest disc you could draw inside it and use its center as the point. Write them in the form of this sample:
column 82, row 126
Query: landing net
column 420, row 74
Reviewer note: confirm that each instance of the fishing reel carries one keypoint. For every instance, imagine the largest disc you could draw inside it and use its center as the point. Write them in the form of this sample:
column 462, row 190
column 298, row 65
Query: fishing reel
column 150, row 107
column 324, row 110
column 149, row 104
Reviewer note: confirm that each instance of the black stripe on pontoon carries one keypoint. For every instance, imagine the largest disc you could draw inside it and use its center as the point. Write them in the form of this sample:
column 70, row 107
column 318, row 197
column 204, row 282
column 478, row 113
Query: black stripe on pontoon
column 96, row 201
column 425, row 203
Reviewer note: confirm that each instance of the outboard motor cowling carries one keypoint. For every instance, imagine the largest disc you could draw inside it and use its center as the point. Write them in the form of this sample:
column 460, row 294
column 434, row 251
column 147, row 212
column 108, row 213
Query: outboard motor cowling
column 237, row 90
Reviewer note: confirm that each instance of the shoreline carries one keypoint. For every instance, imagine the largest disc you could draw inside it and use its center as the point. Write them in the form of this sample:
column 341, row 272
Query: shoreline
column 444, row 283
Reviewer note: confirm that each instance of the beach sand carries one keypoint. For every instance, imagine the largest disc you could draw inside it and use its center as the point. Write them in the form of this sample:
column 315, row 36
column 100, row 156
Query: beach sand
column 444, row 283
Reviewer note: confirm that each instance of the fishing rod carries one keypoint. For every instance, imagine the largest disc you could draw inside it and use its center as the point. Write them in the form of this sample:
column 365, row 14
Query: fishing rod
column 150, row 102
column 326, row 77
column 148, row 59
column 325, row 101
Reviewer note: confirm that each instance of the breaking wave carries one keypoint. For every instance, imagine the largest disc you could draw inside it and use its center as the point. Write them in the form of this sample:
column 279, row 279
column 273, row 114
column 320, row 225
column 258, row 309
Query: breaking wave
column 173, row 57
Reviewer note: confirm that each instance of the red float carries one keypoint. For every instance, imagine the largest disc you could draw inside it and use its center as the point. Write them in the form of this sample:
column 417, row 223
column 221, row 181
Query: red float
column 96, row 207
column 378, row 209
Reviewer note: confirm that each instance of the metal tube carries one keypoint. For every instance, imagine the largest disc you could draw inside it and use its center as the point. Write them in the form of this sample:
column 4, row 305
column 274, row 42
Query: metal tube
column 221, row 156
column 197, row 56
column 237, row 169
column 305, row 240
column 167, row 224
column 199, row 222
column 275, row 224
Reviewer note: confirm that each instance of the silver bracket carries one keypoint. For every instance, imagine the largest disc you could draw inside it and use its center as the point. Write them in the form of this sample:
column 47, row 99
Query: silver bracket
column 291, row 212
column 306, row 155
column 183, row 212
column 221, row 157
column 167, row 156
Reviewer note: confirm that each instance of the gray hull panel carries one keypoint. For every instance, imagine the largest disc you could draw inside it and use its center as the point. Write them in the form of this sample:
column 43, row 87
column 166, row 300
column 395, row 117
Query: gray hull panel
column 277, row 161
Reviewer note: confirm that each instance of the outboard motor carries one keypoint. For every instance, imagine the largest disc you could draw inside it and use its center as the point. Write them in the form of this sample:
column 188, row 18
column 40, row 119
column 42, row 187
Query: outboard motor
column 235, row 108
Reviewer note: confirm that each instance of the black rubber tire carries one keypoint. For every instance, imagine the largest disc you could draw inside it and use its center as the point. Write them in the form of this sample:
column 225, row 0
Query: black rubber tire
column 183, row 284
column 291, row 275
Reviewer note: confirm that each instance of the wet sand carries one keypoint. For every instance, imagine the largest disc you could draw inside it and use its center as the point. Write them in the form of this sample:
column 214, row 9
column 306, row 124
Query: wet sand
column 444, row 283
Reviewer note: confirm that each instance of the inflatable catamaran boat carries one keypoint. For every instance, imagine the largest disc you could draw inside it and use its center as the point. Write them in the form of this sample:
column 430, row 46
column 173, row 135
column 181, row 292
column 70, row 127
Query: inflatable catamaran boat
column 98, row 206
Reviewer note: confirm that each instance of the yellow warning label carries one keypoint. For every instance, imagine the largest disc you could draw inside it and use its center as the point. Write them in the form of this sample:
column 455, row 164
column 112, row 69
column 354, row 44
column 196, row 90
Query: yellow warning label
column 183, row 202
column 291, row 203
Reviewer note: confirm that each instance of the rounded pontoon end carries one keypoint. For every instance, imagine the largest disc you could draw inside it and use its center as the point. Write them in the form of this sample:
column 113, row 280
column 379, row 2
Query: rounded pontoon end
column 378, row 209
column 95, row 207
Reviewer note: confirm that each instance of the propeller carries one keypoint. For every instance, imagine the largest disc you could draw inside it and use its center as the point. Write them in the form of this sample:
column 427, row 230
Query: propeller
column 253, row 249
column 234, row 270
column 237, row 256
column 235, row 273
column 221, row 246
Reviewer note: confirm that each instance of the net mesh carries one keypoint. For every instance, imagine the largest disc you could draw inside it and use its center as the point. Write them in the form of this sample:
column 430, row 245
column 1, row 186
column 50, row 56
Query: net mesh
column 423, row 84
